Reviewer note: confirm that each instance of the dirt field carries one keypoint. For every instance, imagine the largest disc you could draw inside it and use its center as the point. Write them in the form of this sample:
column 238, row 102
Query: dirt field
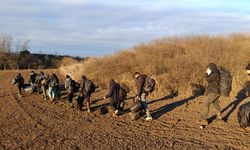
column 33, row 123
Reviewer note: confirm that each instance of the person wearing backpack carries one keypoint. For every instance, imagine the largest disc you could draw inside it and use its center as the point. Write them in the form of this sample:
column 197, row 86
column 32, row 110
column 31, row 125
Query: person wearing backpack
column 44, row 79
column 212, row 92
column 69, row 88
column 53, row 87
column 19, row 82
column 32, row 79
column 116, row 96
column 142, row 92
column 87, row 88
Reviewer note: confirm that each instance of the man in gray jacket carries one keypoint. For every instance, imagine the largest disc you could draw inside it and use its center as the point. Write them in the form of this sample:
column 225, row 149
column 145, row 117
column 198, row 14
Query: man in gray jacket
column 141, row 93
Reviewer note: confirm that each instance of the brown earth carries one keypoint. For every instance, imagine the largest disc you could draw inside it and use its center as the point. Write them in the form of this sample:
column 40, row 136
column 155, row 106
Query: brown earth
column 33, row 123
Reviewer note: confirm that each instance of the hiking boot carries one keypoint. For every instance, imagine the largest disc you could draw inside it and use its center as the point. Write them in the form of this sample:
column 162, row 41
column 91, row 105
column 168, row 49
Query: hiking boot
column 118, row 112
column 149, row 118
column 19, row 95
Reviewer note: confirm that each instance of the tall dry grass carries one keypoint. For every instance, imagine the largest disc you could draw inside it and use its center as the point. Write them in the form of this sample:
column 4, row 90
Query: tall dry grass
column 176, row 63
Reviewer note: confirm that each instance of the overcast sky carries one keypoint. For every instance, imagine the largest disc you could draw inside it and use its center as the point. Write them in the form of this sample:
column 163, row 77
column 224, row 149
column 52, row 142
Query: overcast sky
column 101, row 27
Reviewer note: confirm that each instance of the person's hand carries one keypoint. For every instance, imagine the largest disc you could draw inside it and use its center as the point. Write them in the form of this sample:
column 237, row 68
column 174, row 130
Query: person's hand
column 104, row 97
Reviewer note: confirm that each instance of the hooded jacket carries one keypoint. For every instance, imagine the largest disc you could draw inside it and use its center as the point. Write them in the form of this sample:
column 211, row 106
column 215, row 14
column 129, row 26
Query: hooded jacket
column 213, row 80
column 114, row 89
column 53, row 81
column 33, row 77
column 68, row 86
column 19, row 80
column 140, row 81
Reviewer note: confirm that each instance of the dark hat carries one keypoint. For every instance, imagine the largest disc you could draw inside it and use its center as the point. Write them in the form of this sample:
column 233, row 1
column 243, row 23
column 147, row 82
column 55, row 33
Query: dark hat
column 67, row 76
column 136, row 73
column 84, row 77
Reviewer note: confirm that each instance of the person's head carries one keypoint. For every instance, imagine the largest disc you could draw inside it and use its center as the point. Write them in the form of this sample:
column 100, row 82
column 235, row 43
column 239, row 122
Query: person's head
column 212, row 68
column 137, row 74
column 32, row 72
column 19, row 74
column 111, row 81
column 84, row 77
column 67, row 76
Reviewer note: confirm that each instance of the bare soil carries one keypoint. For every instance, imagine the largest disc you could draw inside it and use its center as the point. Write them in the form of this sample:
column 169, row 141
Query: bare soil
column 33, row 123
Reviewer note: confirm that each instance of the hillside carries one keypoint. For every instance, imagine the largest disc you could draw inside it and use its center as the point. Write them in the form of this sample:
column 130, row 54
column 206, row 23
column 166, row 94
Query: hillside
column 178, row 63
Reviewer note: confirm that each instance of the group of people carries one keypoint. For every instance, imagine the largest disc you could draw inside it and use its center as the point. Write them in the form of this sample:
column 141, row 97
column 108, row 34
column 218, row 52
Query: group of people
column 82, row 91
column 49, row 84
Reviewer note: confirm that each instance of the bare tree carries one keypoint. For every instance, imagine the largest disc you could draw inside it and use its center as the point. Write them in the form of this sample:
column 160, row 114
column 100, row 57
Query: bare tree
column 5, row 44
column 21, row 45
column 18, row 46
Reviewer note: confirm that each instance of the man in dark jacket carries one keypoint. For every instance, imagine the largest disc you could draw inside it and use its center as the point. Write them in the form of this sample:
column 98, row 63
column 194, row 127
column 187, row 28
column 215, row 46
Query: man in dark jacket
column 69, row 88
column 141, row 94
column 114, row 97
column 19, row 82
column 33, row 76
column 87, row 88
column 212, row 92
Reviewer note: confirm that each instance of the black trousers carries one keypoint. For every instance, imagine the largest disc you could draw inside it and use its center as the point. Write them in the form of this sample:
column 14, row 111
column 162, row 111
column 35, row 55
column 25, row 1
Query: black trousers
column 70, row 97
column 115, row 105
column 20, row 87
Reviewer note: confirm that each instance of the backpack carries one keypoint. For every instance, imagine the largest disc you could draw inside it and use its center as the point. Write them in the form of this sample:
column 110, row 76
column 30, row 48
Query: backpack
column 89, row 86
column 75, row 86
column 225, row 82
column 149, row 85
column 18, row 81
column 122, row 94
column 243, row 115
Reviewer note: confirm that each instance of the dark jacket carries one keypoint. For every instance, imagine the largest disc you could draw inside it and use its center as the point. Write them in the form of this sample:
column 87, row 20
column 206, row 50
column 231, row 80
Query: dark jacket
column 33, row 77
column 114, row 89
column 19, row 80
column 140, row 81
column 213, row 80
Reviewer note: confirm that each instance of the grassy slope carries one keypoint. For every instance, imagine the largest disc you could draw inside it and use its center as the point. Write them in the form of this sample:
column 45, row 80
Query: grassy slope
column 176, row 63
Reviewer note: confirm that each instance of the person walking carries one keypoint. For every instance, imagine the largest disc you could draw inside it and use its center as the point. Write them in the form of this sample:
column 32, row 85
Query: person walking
column 142, row 93
column 212, row 92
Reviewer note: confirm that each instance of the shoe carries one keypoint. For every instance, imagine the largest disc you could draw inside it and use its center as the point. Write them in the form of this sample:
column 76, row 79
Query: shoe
column 19, row 95
column 118, row 112
column 149, row 118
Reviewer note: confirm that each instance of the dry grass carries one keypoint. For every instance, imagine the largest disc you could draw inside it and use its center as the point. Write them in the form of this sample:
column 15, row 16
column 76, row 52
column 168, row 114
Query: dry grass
column 176, row 63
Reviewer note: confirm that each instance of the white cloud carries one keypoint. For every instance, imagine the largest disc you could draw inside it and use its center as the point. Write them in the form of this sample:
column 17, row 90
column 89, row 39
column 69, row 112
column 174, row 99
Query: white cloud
column 99, row 27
